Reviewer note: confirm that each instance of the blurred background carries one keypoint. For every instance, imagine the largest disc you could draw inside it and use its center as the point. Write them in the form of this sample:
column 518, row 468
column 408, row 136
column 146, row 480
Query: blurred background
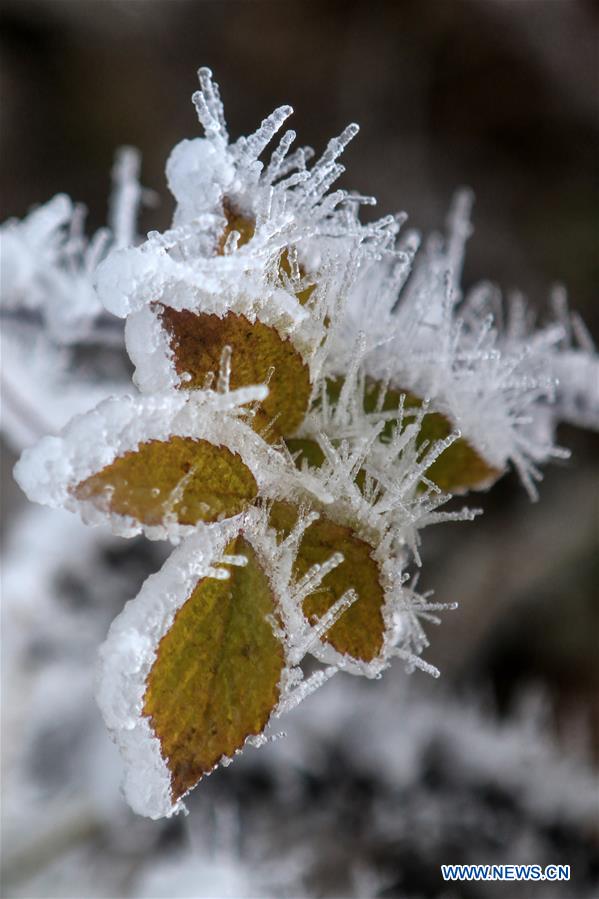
column 376, row 784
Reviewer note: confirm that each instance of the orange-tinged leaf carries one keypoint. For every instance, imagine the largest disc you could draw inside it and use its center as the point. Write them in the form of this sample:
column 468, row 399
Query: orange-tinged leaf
column 184, row 478
column 259, row 355
column 359, row 632
column 216, row 677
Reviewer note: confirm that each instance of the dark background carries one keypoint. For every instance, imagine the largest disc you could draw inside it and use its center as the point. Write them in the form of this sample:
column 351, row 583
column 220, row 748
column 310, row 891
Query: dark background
column 494, row 94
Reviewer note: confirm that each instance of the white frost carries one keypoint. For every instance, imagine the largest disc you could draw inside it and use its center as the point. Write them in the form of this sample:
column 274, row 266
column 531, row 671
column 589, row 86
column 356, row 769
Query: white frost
column 128, row 654
column 378, row 308
column 49, row 471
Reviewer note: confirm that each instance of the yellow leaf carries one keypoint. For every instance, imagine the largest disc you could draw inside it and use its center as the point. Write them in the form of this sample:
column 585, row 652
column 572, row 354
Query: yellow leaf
column 188, row 479
column 216, row 677
column 359, row 632
column 259, row 355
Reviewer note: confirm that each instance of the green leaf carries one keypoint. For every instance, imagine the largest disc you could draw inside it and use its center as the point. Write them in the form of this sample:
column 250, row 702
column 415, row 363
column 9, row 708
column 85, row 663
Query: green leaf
column 216, row 678
column 458, row 469
column 184, row 478
column 359, row 632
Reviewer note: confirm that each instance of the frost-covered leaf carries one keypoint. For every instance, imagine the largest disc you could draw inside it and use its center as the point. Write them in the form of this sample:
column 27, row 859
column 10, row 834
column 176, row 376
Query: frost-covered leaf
column 156, row 463
column 479, row 358
column 459, row 468
column 183, row 478
column 235, row 221
column 245, row 228
column 359, row 632
column 258, row 355
column 192, row 668
column 216, row 678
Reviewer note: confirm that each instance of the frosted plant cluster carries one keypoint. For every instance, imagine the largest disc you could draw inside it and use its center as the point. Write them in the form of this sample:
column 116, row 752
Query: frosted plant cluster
column 51, row 312
column 502, row 383
column 48, row 264
column 388, row 342
column 61, row 773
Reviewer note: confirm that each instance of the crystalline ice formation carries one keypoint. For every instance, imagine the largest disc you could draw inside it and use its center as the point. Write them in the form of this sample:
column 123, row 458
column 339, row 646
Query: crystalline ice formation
column 48, row 264
column 285, row 205
column 385, row 343
column 130, row 651
column 503, row 386
column 51, row 312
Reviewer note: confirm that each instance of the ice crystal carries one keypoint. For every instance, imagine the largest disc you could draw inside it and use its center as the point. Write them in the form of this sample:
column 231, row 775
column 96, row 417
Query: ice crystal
column 406, row 389
column 502, row 384
column 48, row 264
column 51, row 313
